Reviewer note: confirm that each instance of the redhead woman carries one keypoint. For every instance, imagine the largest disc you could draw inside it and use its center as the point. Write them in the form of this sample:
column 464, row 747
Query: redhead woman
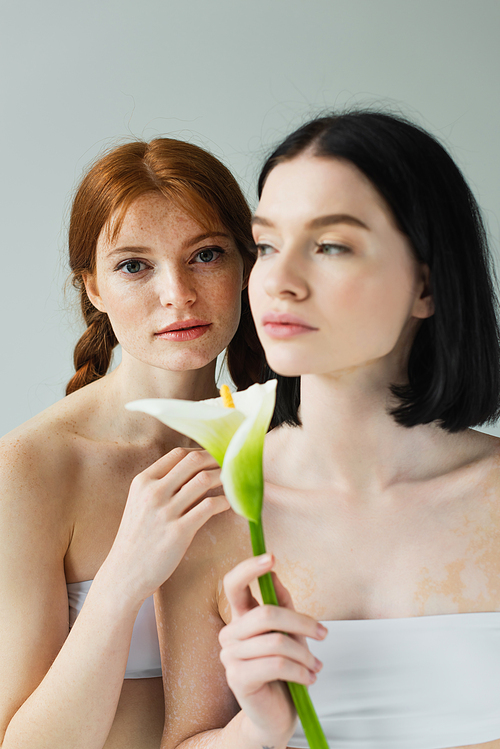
column 158, row 245
column 373, row 300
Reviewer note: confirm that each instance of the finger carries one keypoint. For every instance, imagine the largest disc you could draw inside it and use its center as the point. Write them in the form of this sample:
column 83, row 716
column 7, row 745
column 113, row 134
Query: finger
column 164, row 465
column 276, row 619
column 193, row 459
column 193, row 464
column 237, row 583
column 248, row 677
column 196, row 489
column 272, row 644
column 197, row 516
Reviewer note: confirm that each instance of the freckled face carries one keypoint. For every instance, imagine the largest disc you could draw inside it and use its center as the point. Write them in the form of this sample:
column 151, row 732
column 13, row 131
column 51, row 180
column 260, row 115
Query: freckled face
column 171, row 290
column 336, row 285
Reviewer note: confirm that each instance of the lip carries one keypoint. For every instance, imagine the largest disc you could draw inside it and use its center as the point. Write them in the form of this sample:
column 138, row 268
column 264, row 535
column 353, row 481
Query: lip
column 282, row 325
column 184, row 330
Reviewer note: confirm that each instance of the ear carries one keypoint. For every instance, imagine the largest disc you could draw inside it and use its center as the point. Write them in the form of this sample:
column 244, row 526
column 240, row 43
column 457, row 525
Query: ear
column 424, row 305
column 90, row 282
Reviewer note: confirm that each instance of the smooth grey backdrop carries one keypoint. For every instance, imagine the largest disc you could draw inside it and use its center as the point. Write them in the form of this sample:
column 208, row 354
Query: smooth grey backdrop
column 231, row 75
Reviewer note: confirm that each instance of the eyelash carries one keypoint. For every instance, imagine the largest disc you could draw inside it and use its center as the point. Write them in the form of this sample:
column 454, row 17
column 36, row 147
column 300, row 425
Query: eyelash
column 132, row 261
column 341, row 248
column 218, row 251
column 258, row 248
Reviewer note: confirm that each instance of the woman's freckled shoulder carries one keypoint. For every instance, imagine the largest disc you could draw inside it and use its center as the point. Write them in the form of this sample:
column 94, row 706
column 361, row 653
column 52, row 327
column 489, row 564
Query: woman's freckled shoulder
column 224, row 536
column 43, row 453
column 32, row 444
column 217, row 548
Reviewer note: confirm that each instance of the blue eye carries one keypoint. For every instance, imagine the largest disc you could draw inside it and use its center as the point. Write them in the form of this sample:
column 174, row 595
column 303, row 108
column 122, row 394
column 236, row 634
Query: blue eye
column 208, row 255
column 131, row 267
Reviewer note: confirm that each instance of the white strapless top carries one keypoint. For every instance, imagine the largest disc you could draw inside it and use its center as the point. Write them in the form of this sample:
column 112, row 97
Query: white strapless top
column 426, row 682
column 144, row 655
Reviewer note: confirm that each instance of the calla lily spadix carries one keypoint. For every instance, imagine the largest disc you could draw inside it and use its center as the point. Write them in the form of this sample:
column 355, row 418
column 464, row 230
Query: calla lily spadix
column 232, row 429
column 233, row 436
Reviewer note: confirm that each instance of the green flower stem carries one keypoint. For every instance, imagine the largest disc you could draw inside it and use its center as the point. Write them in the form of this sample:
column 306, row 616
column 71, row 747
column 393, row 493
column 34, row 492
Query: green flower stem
column 259, row 547
column 299, row 693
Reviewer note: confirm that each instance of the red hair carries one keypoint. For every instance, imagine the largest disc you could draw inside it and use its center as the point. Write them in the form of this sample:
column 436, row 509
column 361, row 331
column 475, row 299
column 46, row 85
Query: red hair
column 194, row 180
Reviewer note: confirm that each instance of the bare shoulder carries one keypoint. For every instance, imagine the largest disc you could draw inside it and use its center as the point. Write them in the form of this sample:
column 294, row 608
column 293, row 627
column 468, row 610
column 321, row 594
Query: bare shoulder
column 218, row 546
column 38, row 459
column 197, row 583
column 486, row 460
column 461, row 470
column 33, row 446
column 478, row 453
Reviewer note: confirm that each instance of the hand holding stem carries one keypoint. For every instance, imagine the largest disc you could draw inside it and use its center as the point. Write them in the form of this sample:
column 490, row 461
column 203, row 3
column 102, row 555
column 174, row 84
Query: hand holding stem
column 263, row 647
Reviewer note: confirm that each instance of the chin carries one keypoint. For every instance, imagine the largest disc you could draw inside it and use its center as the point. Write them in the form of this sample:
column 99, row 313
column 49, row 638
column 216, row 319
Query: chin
column 287, row 367
column 185, row 363
column 178, row 361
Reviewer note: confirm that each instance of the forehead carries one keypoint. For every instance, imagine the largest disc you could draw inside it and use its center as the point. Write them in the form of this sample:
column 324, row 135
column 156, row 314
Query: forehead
column 148, row 214
column 152, row 220
column 316, row 185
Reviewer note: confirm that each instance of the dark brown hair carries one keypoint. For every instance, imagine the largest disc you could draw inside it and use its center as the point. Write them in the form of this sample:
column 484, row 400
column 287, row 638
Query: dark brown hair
column 454, row 362
column 193, row 179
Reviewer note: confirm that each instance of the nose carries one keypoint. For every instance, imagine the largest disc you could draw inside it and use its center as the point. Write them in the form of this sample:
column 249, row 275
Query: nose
column 176, row 288
column 286, row 278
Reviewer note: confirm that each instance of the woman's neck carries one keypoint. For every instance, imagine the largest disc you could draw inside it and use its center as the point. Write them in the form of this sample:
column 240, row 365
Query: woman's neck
column 134, row 380
column 349, row 439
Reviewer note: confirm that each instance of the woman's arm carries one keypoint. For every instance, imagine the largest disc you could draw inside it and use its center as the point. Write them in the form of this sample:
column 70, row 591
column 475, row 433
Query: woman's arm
column 201, row 711
column 62, row 691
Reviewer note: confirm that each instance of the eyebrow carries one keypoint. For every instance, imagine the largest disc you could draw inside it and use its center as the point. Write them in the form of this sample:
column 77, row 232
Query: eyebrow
column 320, row 222
column 127, row 249
column 206, row 235
column 188, row 243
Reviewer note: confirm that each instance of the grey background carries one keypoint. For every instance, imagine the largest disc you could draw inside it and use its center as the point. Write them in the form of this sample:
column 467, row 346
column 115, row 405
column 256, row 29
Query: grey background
column 231, row 75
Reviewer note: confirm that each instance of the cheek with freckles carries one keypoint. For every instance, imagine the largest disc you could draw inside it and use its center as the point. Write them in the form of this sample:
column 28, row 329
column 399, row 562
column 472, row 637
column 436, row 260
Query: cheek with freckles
column 136, row 317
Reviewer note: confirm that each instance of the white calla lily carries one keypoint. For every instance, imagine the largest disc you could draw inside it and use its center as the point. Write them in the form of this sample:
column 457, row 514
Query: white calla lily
column 233, row 436
column 232, row 430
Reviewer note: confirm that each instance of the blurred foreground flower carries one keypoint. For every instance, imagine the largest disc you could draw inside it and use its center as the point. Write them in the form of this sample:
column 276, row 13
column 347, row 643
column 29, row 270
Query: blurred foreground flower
column 232, row 429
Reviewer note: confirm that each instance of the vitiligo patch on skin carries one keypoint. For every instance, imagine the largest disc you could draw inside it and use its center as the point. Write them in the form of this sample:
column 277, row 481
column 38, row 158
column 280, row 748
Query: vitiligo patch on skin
column 471, row 581
column 299, row 577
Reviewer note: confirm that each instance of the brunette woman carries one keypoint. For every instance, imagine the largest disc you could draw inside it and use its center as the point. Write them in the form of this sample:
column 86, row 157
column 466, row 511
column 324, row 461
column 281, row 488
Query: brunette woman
column 158, row 246
column 373, row 286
